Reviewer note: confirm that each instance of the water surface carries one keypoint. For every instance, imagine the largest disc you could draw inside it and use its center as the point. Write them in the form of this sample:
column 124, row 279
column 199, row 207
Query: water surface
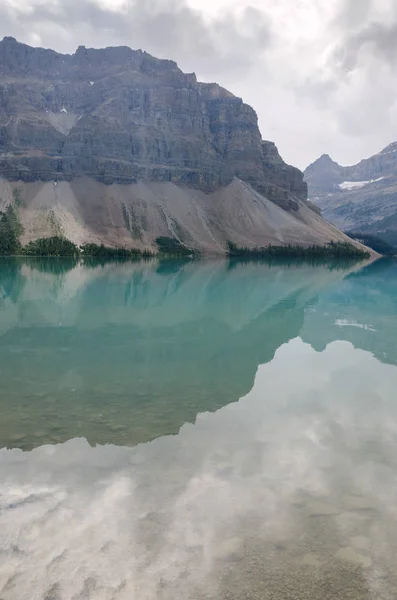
column 197, row 430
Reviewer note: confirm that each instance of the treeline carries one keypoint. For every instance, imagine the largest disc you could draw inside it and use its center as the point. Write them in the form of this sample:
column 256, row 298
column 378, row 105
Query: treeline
column 10, row 231
column 374, row 242
column 101, row 251
column 173, row 247
column 60, row 246
column 52, row 246
column 333, row 250
column 10, row 245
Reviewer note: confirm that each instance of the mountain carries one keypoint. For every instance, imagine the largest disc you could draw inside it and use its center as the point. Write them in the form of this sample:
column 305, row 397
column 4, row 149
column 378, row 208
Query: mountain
column 116, row 146
column 362, row 197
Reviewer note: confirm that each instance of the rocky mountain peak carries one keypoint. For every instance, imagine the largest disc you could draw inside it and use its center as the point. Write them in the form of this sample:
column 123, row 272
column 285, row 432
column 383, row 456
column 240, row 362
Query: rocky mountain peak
column 390, row 149
column 121, row 115
column 323, row 163
column 360, row 197
column 322, row 175
column 118, row 147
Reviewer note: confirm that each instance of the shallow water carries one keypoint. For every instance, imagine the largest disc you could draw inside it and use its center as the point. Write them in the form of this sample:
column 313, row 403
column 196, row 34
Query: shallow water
column 197, row 430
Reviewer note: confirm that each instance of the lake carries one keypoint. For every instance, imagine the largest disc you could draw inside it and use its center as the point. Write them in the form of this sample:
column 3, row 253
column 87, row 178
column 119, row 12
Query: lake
column 197, row 430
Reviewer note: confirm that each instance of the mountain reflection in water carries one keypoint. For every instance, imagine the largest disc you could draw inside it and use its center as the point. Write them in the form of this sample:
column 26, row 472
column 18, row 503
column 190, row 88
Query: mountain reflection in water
column 122, row 353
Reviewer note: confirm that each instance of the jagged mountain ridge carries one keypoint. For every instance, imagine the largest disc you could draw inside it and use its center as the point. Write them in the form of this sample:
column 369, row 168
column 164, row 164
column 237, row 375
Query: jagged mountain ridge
column 361, row 197
column 120, row 115
column 116, row 146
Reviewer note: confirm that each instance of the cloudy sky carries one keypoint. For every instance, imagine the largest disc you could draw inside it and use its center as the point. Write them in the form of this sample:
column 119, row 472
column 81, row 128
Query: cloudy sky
column 321, row 74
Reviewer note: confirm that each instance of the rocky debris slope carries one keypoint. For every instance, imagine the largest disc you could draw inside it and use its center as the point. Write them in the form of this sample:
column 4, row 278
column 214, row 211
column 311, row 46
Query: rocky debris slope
column 117, row 146
column 362, row 197
column 135, row 215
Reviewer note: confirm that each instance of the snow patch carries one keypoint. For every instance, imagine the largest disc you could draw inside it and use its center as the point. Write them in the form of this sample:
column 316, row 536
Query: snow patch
column 390, row 149
column 352, row 185
column 62, row 121
column 355, row 185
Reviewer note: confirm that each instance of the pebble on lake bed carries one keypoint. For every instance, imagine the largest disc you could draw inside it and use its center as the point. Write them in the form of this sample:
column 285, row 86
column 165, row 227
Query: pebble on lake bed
column 350, row 555
column 231, row 548
column 311, row 560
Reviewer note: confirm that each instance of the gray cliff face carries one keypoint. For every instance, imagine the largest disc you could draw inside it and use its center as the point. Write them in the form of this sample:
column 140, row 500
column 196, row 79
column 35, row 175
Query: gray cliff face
column 119, row 115
column 115, row 146
column 362, row 197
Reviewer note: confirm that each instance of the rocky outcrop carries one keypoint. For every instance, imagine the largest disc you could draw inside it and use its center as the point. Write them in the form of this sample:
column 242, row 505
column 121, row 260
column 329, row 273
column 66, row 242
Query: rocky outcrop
column 120, row 115
column 119, row 147
column 362, row 197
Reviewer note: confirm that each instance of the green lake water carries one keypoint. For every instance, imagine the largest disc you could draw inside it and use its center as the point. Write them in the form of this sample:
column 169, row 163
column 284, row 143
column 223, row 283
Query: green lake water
column 198, row 430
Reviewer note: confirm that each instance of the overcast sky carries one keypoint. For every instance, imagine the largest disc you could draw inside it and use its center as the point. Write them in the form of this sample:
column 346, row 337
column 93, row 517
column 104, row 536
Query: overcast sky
column 321, row 74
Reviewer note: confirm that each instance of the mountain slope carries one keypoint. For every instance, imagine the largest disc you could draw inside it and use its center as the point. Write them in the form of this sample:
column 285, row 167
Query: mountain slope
column 119, row 147
column 134, row 215
column 362, row 197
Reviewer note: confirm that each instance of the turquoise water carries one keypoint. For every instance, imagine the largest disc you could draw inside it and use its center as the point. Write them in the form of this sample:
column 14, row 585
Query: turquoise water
column 197, row 430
